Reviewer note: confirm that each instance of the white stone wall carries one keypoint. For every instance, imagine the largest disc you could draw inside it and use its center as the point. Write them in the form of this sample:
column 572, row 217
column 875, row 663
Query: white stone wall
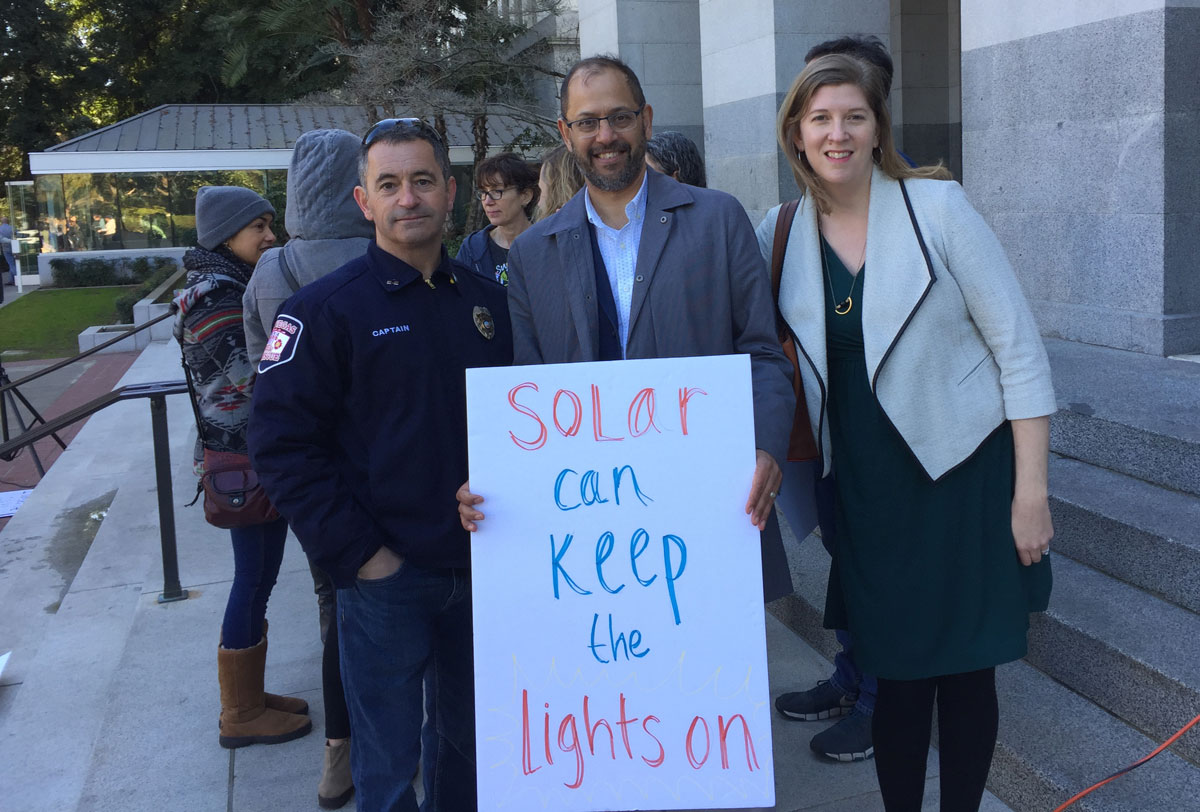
column 926, row 100
column 660, row 41
column 995, row 23
column 1079, row 146
column 751, row 51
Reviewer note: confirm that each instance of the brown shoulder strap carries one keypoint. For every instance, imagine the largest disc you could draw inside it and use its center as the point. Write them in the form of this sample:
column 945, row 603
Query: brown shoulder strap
column 783, row 227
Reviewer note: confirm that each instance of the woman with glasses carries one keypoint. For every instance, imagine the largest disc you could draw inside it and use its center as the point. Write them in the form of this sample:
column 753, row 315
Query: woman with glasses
column 508, row 189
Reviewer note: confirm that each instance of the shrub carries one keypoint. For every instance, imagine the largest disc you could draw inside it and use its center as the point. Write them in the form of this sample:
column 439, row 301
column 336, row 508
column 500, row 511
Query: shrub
column 140, row 269
column 164, row 267
column 60, row 270
column 85, row 273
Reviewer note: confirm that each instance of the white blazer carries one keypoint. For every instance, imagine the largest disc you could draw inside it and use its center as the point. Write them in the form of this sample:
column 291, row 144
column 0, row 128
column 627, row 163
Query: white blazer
column 951, row 346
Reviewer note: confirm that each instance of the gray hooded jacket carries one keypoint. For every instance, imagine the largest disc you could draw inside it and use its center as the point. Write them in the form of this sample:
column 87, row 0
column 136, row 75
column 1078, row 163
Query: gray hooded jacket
column 326, row 228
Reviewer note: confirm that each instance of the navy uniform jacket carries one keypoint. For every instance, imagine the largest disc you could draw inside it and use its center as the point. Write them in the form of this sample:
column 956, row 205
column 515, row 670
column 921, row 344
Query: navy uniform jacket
column 358, row 425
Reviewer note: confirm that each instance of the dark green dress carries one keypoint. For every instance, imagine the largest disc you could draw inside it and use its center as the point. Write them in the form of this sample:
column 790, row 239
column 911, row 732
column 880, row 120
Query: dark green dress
column 925, row 575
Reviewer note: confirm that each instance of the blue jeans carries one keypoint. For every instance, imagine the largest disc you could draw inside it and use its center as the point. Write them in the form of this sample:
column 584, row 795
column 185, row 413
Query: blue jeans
column 257, row 554
column 390, row 630
column 847, row 677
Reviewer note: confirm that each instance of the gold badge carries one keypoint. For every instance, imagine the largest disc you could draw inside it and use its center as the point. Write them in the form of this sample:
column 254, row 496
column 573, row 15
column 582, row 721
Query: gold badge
column 483, row 322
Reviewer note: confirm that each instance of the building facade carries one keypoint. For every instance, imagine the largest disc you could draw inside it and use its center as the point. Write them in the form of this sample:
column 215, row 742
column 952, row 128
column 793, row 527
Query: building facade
column 1071, row 125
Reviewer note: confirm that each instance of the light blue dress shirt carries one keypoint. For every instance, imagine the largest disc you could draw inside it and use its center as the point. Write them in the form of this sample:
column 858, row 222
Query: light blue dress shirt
column 619, row 248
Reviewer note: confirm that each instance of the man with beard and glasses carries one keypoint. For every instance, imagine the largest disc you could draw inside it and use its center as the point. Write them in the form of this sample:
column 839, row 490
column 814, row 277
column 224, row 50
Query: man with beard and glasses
column 636, row 265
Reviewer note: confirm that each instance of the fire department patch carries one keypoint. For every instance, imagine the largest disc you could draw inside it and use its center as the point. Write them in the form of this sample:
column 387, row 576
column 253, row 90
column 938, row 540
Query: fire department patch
column 281, row 345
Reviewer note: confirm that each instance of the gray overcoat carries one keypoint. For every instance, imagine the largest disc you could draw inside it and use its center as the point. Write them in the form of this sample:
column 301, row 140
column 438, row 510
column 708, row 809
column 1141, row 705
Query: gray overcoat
column 701, row 288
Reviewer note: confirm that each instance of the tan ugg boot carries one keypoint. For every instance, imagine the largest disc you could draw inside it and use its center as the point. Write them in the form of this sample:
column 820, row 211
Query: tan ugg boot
column 245, row 717
column 287, row 704
column 336, row 785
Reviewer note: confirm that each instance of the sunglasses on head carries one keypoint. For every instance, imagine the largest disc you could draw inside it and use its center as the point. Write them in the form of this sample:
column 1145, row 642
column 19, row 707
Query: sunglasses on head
column 389, row 124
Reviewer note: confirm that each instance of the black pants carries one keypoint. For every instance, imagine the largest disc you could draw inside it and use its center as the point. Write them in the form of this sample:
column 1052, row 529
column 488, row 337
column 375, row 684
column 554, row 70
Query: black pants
column 967, row 719
column 337, row 717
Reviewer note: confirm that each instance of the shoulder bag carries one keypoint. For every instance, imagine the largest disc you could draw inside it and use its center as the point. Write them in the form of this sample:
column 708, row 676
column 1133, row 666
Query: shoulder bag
column 801, row 445
column 233, row 496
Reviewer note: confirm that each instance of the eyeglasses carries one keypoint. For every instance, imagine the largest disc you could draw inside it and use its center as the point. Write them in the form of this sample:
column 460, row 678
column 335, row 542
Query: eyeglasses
column 494, row 194
column 620, row 122
column 392, row 123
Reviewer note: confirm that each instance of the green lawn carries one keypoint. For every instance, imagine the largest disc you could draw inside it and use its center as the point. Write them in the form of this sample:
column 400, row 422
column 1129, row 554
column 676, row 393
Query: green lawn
column 47, row 323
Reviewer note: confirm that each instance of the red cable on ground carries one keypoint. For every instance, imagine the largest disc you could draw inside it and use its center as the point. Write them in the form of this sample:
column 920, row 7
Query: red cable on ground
column 1132, row 766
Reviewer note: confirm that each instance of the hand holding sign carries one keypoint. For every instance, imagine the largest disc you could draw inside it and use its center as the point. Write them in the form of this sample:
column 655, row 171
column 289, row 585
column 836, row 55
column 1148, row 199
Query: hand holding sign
column 764, row 488
column 468, row 503
column 620, row 658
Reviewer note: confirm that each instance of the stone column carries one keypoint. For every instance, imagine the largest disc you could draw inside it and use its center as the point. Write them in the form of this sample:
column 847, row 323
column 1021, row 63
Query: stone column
column 660, row 41
column 926, row 90
column 751, row 51
column 1080, row 147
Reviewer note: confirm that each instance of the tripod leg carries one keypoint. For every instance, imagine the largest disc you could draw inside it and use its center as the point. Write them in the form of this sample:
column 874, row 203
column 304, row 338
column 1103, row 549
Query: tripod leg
column 4, row 438
column 35, row 417
column 37, row 462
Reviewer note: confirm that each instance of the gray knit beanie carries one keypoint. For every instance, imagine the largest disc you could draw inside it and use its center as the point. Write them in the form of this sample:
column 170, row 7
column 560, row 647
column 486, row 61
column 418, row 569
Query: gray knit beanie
column 222, row 211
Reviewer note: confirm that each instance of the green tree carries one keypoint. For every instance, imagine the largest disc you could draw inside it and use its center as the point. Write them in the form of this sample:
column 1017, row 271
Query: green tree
column 175, row 52
column 46, row 82
column 306, row 26
column 436, row 58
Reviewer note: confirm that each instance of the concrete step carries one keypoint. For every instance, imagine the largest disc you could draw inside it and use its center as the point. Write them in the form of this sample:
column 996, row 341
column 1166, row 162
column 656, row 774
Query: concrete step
column 1131, row 653
column 1140, row 533
column 1053, row 741
column 1127, row 412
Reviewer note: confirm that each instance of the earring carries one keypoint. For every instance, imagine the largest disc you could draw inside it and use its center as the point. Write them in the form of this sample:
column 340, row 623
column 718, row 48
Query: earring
column 877, row 154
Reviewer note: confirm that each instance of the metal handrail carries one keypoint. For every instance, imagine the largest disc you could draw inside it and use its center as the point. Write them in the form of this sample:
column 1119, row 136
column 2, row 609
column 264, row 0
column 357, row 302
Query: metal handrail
column 157, row 393
column 68, row 361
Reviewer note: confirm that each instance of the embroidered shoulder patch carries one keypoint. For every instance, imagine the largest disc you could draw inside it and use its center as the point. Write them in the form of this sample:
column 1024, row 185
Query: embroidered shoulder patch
column 281, row 346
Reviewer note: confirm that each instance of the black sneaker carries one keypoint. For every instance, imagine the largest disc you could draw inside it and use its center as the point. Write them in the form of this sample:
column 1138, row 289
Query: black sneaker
column 821, row 702
column 848, row 740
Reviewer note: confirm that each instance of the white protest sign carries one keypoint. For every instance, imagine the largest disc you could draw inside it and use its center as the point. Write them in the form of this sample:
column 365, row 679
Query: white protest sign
column 620, row 650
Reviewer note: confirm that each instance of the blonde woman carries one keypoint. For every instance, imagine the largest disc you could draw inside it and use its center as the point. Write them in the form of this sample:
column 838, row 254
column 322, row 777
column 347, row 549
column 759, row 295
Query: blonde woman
column 558, row 181
column 929, row 391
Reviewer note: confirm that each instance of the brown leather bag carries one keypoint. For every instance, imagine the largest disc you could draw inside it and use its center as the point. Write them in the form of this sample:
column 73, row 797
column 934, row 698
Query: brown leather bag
column 233, row 496
column 801, row 445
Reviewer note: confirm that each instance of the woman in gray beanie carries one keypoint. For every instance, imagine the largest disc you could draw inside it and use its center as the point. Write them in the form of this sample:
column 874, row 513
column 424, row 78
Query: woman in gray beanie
column 233, row 229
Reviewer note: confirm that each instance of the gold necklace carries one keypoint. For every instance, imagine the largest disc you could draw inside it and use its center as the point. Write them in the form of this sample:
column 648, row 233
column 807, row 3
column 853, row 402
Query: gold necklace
column 846, row 305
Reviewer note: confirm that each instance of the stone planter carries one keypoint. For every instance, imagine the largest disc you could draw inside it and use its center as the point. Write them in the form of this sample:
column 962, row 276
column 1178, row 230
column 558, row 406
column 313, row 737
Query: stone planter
column 145, row 310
